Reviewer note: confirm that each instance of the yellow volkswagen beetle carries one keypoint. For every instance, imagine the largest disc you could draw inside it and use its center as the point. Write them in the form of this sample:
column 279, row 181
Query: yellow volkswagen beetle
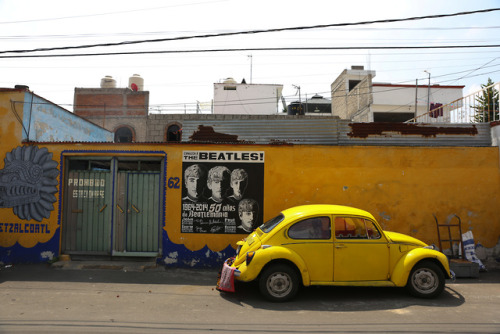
column 332, row 245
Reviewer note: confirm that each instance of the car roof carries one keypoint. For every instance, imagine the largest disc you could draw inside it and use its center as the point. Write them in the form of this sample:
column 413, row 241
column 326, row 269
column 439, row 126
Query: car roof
column 325, row 209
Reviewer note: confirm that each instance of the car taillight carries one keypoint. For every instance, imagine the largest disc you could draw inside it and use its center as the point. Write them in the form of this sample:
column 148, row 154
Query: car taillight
column 250, row 256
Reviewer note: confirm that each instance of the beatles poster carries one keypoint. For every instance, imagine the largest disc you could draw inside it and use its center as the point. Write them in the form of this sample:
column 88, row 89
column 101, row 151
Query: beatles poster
column 222, row 191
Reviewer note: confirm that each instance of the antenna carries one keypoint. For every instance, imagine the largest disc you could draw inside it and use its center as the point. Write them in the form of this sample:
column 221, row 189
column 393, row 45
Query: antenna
column 251, row 65
column 298, row 90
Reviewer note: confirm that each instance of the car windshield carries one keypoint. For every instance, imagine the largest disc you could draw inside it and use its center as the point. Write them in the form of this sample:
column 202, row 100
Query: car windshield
column 271, row 223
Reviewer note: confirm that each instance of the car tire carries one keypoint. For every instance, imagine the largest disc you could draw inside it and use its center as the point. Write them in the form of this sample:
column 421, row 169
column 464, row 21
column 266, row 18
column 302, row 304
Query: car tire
column 279, row 283
column 426, row 280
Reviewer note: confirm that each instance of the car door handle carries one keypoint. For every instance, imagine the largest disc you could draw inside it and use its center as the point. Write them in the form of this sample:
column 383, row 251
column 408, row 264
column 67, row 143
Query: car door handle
column 340, row 246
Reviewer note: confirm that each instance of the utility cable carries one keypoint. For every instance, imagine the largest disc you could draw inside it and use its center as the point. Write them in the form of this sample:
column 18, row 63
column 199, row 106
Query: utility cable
column 258, row 49
column 319, row 26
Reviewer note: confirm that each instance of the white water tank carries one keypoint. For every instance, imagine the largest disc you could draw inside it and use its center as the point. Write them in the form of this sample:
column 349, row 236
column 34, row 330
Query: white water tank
column 108, row 82
column 136, row 83
column 229, row 81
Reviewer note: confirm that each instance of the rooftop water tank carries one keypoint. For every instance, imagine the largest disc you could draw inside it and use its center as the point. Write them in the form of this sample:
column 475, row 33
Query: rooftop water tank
column 108, row 82
column 229, row 81
column 295, row 108
column 136, row 83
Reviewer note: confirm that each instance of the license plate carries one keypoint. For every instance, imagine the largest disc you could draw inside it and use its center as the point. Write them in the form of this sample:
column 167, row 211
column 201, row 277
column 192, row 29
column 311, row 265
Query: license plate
column 225, row 282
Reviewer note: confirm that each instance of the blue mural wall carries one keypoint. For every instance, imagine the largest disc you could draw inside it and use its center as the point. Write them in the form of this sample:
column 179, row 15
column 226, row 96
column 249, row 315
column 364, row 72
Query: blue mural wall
column 177, row 255
column 41, row 252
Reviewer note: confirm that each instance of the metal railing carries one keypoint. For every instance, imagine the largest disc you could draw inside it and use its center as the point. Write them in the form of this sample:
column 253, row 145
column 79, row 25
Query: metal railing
column 479, row 107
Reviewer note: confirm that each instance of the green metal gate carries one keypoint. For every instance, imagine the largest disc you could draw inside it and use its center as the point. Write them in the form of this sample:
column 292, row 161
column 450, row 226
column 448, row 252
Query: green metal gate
column 112, row 207
column 87, row 228
column 137, row 214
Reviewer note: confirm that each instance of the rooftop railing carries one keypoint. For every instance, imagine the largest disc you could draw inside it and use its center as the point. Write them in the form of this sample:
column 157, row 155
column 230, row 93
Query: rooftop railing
column 479, row 107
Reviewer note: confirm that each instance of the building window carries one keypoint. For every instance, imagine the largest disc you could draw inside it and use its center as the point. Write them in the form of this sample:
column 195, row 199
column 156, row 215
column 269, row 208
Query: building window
column 174, row 133
column 229, row 87
column 394, row 117
column 353, row 83
column 124, row 134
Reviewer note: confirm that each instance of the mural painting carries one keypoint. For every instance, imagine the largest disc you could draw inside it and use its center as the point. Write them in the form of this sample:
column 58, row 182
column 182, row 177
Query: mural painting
column 222, row 191
column 28, row 182
column 28, row 195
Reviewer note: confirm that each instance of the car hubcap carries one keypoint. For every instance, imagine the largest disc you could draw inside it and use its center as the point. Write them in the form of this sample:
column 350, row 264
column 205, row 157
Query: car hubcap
column 425, row 281
column 279, row 284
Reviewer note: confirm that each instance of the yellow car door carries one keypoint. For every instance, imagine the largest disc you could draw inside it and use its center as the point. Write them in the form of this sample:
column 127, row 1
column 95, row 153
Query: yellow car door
column 312, row 240
column 361, row 251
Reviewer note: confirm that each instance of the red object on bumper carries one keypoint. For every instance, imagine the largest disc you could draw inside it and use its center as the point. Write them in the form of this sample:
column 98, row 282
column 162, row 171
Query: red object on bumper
column 226, row 278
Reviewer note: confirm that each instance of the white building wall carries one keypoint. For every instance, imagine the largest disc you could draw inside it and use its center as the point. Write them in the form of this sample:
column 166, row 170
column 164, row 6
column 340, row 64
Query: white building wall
column 401, row 98
column 247, row 99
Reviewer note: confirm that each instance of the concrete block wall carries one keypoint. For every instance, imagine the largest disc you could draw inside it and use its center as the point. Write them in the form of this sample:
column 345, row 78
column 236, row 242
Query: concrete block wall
column 354, row 104
column 112, row 123
column 339, row 97
column 359, row 100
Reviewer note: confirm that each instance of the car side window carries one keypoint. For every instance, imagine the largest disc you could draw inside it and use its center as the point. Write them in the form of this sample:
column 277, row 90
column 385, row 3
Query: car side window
column 311, row 228
column 355, row 228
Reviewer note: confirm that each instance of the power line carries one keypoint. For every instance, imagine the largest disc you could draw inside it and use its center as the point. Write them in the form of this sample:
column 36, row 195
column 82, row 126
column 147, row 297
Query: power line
column 256, row 49
column 112, row 13
column 129, row 34
column 255, row 32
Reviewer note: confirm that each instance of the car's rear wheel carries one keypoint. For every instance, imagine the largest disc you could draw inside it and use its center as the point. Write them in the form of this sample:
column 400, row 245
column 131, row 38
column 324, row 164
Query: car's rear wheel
column 426, row 280
column 279, row 283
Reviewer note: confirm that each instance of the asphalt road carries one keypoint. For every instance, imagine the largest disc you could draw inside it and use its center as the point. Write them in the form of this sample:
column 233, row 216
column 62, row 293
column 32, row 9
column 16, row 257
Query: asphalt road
column 42, row 299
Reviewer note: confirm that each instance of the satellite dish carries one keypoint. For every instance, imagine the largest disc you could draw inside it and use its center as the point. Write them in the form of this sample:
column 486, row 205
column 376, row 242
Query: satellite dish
column 134, row 87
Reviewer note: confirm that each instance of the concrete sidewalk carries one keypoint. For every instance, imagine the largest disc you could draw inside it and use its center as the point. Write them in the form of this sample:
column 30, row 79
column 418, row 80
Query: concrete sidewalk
column 120, row 272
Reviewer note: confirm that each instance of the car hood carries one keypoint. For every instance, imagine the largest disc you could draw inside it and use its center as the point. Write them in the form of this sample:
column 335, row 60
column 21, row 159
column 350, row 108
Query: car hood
column 399, row 238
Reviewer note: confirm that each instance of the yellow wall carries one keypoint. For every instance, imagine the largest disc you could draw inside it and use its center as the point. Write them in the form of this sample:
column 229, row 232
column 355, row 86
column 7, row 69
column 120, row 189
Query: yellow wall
column 10, row 127
column 401, row 186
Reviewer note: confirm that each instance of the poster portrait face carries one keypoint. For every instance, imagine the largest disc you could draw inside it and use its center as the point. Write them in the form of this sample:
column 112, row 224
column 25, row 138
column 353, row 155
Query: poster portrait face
column 195, row 180
column 218, row 182
column 248, row 210
column 239, row 183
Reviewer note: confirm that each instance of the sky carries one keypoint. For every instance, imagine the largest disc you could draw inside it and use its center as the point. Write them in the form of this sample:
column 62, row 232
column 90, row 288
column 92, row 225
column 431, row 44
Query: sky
column 179, row 79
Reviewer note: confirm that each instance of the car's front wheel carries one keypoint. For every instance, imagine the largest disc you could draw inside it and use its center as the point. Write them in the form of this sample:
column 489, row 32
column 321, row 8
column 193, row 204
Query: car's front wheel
column 279, row 283
column 426, row 280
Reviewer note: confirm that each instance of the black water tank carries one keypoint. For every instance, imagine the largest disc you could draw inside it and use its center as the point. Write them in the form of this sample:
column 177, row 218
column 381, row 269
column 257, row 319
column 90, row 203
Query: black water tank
column 295, row 108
